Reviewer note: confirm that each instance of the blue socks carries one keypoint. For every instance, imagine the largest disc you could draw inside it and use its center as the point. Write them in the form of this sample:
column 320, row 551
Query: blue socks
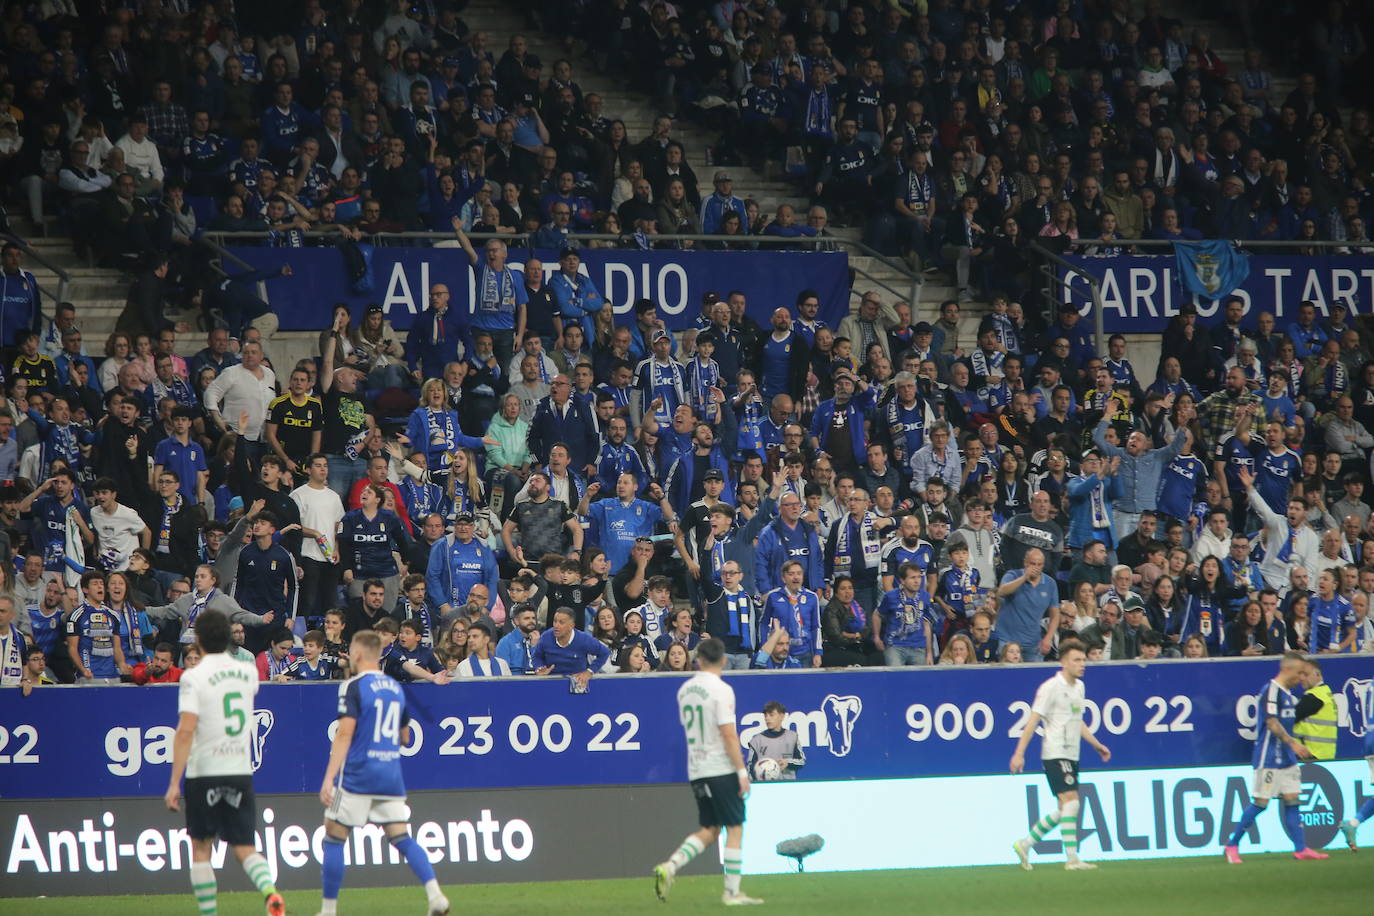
column 1366, row 811
column 332, row 870
column 415, row 857
column 1247, row 818
column 1292, row 825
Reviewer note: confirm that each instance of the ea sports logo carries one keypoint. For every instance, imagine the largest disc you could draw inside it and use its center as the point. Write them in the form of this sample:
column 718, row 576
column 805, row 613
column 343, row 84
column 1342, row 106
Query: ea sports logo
column 1321, row 806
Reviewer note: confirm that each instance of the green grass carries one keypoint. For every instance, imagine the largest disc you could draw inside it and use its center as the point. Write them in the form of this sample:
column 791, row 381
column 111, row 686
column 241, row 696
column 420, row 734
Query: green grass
column 1264, row 884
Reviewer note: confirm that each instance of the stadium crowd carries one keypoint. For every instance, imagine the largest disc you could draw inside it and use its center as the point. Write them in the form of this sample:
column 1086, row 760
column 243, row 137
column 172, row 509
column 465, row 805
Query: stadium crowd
column 888, row 491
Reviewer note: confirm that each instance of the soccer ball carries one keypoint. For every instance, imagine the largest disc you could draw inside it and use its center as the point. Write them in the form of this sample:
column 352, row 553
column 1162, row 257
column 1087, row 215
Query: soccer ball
column 768, row 770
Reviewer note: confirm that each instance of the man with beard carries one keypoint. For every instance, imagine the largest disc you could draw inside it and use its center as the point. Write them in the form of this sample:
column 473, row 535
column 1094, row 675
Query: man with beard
column 545, row 525
column 689, row 474
column 783, row 358
column 616, row 459
column 516, row 648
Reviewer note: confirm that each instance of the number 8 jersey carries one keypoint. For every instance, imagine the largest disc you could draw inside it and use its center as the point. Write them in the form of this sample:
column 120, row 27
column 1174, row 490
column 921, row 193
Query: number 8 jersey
column 704, row 704
column 220, row 691
column 378, row 705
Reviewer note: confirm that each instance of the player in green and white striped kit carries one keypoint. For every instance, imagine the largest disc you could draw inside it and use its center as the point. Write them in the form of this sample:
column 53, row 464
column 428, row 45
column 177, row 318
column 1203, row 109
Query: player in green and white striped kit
column 715, row 767
column 1059, row 704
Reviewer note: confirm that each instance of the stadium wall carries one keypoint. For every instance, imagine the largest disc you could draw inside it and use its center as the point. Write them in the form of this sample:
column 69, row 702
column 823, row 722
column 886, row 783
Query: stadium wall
column 590, row 785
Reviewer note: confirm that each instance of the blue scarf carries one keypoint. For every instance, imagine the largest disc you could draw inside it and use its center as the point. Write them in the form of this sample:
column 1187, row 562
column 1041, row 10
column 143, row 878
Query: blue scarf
column 198, row 604
column 496, row 297
column 818, row 105
column 164, row 532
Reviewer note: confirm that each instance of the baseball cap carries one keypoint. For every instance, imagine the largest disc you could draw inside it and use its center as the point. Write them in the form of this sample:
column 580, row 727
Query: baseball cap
column 452, row 62
column 463, row 517
column 723, row 175
column 533, row 62
column 1065, row 307
column 658, row 335
column 373, row 309
column 922, row 327
column 527, row 98
column 713, row 474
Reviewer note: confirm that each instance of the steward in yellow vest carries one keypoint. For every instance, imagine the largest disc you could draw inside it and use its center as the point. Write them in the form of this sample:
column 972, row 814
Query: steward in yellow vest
column 1316, row 726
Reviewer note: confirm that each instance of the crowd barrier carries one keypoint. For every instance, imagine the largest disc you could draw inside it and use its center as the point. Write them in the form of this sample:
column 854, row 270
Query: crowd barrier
column 674, row 280
column 1141, row 293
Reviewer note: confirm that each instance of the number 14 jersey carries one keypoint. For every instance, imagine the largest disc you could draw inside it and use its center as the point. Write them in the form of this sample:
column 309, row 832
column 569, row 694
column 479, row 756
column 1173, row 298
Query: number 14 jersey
column 378, row 706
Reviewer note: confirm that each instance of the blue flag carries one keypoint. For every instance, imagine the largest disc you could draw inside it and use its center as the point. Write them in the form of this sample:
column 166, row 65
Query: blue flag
column 1210, row 269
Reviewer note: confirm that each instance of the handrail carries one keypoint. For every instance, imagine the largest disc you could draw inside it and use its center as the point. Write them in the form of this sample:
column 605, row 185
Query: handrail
column 63, row 278
column 1093, row 285
column 239, row 262
column 521, row 240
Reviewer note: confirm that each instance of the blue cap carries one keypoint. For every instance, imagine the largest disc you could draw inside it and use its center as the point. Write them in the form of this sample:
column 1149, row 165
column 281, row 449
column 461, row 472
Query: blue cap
column 236, row 504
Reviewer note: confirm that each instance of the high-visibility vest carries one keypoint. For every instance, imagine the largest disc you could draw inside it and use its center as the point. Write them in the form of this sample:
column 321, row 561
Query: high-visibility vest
column 1318, row 731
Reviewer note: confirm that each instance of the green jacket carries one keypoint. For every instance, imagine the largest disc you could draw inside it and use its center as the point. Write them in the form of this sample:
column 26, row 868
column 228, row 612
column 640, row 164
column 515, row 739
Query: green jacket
column 514, row 438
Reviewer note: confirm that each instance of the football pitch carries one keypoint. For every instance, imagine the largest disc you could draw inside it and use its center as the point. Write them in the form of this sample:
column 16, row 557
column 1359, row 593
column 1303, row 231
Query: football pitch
column 1340, row 885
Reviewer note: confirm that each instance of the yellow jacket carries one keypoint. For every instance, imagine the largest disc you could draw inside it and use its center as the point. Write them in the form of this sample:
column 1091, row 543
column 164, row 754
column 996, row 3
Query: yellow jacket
column 1318, row 731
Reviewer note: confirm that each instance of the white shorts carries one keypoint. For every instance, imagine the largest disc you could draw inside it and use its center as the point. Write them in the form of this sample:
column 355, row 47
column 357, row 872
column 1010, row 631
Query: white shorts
column 1272, row 783
column 356, row 810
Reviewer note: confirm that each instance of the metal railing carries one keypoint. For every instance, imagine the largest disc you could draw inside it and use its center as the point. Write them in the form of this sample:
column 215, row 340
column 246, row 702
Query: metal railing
column 63, row 278
column 1094, row 285
column 222, row 254
column 521, row 240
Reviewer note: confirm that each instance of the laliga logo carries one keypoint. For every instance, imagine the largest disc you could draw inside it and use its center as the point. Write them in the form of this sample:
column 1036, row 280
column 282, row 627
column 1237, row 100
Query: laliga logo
column 840, row 715
column 1359, row 705
column 263, row 720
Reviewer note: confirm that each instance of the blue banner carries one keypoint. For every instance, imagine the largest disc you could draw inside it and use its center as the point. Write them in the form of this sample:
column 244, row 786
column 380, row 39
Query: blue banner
column 674, row 280
column 530, row 732
column 1141, row 292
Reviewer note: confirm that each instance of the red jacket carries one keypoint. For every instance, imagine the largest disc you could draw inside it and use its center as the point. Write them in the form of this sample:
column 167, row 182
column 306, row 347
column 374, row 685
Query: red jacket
column 141, row 675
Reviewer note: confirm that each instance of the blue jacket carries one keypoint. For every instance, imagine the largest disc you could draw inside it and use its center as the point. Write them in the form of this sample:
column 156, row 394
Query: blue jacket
column 777, row 544
column 576, row 429
column 802, row 621
column 613, row 460
column 714, row 208
column 514, row 651
column 1138, row 475
column 857, row 406
column 18, row 305
column 424, row 351
column 577, row 305
column 572, row 658
column 678, row 483
column 449, row 578
column 1081, row 527
column 266, row 581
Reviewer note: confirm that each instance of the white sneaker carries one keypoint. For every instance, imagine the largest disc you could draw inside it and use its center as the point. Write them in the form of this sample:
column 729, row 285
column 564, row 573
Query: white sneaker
column 1022, row 849
column 663, row 879
column 1078, row 865
column 739, row 898
column 438, row 906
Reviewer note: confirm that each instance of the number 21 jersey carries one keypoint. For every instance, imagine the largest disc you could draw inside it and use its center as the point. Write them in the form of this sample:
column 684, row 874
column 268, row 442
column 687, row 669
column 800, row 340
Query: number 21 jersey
column 704, row 704
column 220, row 691
column 378, row 706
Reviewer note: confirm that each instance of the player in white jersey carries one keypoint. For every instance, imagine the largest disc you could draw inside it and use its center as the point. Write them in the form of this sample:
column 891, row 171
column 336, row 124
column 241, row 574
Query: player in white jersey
column 715, row 768
column 1059, row 705
column 213, row 748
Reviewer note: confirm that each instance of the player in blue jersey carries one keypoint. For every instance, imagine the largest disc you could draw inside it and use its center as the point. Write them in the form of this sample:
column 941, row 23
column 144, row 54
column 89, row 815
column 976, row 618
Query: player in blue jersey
column 1275, row 759
column 363, row 784
column 1360, row 701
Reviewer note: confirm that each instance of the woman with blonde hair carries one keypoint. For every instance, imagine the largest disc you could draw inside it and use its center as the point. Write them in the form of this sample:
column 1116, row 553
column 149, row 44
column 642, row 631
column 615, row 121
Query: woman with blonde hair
column 958, row 651
column 452, row 646
column 434, row 429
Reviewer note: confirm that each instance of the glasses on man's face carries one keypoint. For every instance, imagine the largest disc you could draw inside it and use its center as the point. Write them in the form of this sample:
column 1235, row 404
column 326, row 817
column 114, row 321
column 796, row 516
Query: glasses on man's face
column 731, row 572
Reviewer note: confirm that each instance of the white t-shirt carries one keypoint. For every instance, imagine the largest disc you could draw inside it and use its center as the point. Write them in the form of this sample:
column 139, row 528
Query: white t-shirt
column 1060, row 705
column 704, row 704
column 321, row 510
column 118, row 533
column 220, row 692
